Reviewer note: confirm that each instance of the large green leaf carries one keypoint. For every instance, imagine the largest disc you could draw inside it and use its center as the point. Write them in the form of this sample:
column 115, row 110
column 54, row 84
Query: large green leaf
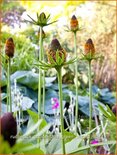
column 74, row 143
column 32, row 128
column 54, row 145
column 30, row 79
column 92, row 145
column 26, row 148
column 26, row 104
column 71, row 146
column 19, row 148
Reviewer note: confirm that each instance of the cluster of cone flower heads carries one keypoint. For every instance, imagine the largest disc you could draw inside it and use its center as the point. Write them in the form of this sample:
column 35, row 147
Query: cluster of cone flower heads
column 55, row 50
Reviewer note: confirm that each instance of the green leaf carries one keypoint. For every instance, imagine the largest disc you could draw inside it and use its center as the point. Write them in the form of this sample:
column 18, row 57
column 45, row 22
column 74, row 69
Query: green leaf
column 93, row 145
column 54, row 145
column 33, row 115
column 71, row 146
column 113, row 117
column 107, row 112
column 32, row 129
column 74, row 143
column 27, row 148
column 68, row 136
column 4, row 147
column 29, row 79
column 40, row 133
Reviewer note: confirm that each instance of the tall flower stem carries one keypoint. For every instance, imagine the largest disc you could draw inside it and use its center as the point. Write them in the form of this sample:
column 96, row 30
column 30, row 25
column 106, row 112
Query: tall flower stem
column 9, row 102
column 43, row 93
column 43, row 99
column 90, row 99
column 61, row 107
column 76, row 81
column 40, row 74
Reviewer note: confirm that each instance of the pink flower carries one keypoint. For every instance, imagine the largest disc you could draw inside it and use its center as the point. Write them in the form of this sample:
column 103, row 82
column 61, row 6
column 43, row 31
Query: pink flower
column 55, row 106
column 55, row 103
column 55, row 99
column 99, row 149
column 94, row 141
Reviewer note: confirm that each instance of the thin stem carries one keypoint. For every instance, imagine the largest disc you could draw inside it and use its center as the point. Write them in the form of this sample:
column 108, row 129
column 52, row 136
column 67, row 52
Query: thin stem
column 61, row 108
column 40, row 75
column 43, row 85
column 76, row 81
column 43, row 93
column 90, row 99
column 7, row 89
column 9, row 103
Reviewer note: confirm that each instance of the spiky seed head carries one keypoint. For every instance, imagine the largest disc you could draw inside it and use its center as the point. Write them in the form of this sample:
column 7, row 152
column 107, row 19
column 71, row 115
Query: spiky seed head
column 89, row 47
column 8, row 128
column 53, row 48
column 74, row 23
column 9, row 47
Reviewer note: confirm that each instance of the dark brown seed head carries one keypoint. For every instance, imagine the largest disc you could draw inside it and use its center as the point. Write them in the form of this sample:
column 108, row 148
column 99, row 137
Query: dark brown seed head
column 89, row 47
column 8, row 128
column 73, row 17
column 74, row 23
column 9, row 47
column 53, row 48
column 55, row 45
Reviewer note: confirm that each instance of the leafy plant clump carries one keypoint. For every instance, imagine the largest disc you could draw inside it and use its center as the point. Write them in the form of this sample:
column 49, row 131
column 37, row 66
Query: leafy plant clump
column 46, row 115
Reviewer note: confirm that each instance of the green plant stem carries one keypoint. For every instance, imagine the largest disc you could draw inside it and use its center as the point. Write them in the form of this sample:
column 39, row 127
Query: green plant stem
column 76, row 81
column 43, row 86
column 90, row 100
column 61, row 107
column 40, row 75
column 9, row 102
column 43, row 93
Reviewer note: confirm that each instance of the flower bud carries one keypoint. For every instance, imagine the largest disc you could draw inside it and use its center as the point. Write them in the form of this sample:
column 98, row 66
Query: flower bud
column 8, row 128
column 53, row 48
column 89, row 47
column 43, row 18
column 9, row 47
column 74, row 23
